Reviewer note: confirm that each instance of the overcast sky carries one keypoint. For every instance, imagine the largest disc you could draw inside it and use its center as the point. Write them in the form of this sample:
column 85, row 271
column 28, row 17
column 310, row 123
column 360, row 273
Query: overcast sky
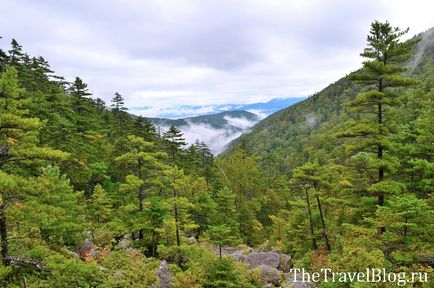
column 160, row 53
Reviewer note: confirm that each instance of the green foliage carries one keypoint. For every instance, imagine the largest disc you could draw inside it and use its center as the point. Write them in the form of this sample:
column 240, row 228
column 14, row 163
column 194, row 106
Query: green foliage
column 319, row 180
column 129, row 268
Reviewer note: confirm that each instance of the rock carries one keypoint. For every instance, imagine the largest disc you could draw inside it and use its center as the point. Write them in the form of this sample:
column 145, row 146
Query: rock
column 191, row 240
column 290, row 283
column 269, row 275
column 125, row 243
column 256, row 259
column 284, row 263
column 85, row 249
column 164, row 275
column 128, row 236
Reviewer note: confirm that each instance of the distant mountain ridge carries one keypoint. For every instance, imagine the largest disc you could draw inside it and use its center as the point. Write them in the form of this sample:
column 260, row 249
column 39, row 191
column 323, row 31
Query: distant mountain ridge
column 217, row 121
column 188, row 111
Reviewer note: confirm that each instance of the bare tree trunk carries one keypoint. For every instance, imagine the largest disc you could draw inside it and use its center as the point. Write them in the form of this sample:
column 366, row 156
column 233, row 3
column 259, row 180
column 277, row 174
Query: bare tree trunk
column 178, row 242
column 314, row 246
column 326, row 238
column 140, row 195
column 380, row 151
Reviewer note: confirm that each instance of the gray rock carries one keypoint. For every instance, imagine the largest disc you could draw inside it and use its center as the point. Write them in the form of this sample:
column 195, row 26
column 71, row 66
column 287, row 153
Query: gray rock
column 191, row 240
column 164, row 275
column 125, row 243
column 284, row 263
column 128, row 236
column 256, row 259
column 270, row 275
column 85, row 248
column 290, row 283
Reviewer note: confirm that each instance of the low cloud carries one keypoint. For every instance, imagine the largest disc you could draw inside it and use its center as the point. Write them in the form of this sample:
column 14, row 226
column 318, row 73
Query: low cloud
column 216, row 139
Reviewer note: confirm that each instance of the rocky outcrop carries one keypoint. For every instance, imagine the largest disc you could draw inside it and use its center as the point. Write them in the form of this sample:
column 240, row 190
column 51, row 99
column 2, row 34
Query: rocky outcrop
column 164, row 275
column 269, row 276
column 256, row 259
column 273, row 266
column 290, row 283
column 125, row 244
column 85, row 248
column 89, row 252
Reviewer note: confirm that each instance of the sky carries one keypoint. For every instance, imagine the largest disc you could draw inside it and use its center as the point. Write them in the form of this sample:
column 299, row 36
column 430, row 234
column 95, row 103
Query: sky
column 163, row 54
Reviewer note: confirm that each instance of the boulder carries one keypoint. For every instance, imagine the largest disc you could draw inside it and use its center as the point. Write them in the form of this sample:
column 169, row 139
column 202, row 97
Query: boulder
column 192, row 240
column 125, row 243
column 164, row 275
column 290, row 283
column 269, row 276
column 86, row 248
column 256, row 259
column 284, row 263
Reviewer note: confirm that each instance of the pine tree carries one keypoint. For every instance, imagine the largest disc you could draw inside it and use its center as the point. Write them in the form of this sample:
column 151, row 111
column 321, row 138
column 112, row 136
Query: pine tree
column 145, row 129
column 99, row 206
column 308, row 177
column 381, row 74
column 142, row 163
column 15, row 54
column 221, row 235
column 118, row 110
column 80, row 103
column 179, row 188
column 51, row 207
column 243, row 177
column 174, row 141
column 225, row 211
column 3, row 59
column 19, row 146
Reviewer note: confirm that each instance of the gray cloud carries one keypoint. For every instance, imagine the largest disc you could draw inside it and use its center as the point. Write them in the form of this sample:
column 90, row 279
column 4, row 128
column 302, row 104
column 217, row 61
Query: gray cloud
column 202, row 52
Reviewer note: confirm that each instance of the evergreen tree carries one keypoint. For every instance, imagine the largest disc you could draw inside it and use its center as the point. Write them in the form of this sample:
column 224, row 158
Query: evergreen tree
column 381, row 74
column 99, row 206
column 145, row 129
column 15, row 54
column 18, row 147
column 118, row 110
column 226, row 212
column 174, row 142
column 3, row 59
column 142, row 163
column 221, row 235
column 178, row 186
column 309, row 177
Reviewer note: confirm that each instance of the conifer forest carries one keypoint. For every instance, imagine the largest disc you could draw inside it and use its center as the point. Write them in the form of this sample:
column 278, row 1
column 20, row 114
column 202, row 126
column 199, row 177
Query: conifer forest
column 92, row 195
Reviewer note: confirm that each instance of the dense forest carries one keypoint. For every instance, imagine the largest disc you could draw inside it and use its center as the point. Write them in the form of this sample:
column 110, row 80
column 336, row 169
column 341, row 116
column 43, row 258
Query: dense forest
column 91, row 196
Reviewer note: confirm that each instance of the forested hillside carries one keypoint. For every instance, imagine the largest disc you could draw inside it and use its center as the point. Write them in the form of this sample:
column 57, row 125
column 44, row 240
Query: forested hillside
column 358, row 160
column 92, row 197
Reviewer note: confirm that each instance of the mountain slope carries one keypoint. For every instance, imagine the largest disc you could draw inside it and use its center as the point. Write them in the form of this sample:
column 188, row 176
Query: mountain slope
column 285, row 136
